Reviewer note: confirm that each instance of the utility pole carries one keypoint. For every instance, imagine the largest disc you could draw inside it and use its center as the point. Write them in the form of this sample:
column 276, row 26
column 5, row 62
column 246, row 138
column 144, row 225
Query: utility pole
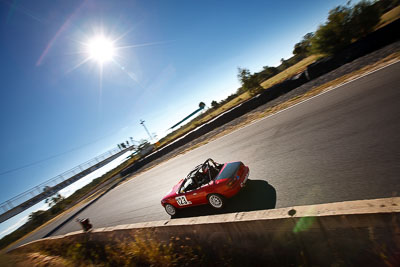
column 142, row 123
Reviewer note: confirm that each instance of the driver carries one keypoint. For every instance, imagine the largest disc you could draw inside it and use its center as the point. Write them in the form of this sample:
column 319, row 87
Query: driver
column 203, row 175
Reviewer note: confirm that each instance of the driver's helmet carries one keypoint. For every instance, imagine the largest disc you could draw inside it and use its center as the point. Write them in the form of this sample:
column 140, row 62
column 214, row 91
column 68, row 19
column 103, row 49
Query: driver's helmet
column 205, row 168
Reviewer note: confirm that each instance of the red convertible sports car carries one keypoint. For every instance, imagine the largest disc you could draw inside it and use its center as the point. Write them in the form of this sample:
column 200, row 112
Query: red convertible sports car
column 210, row 183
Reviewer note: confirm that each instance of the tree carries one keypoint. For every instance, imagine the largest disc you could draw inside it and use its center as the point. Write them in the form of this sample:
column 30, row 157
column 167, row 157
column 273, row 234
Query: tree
column 243, row 76
column 386, row 5
column 37, row 216
column 364, row 17
column 249, row 82
column 270, row 70
column 230, row 97
column 284, row 64
column 52, row 201
column 345, row 25
column 303, row 48
column 335, row 34
column 214, row 104
column 267, row 73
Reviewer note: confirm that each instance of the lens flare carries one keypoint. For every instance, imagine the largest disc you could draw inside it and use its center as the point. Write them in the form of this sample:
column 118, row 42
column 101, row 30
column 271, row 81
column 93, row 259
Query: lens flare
column 101, row 49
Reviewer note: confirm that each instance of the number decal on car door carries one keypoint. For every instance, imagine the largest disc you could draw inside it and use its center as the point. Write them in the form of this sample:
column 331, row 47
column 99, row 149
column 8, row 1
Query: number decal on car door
column 182, row 201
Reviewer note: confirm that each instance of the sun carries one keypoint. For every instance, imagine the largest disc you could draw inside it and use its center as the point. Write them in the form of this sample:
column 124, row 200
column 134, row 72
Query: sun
column 100, row 49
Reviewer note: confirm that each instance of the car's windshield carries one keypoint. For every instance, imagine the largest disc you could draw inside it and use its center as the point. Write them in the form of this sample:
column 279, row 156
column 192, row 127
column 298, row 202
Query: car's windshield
column 187, row 185
column 188, row 182
column 229, row 170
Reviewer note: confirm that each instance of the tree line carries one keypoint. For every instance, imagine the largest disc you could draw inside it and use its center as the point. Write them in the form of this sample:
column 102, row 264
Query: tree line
column 344, row 25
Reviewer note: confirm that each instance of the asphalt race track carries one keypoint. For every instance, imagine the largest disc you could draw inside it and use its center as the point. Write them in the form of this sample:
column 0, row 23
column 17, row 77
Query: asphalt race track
column 342, row 145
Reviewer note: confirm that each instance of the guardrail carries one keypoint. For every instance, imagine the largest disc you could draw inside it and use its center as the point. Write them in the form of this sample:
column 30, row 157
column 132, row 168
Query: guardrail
column 352, row 233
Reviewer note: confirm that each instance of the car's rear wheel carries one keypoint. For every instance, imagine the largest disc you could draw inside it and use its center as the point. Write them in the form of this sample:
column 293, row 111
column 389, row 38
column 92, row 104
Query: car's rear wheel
column 171, row 210
column 216, row 201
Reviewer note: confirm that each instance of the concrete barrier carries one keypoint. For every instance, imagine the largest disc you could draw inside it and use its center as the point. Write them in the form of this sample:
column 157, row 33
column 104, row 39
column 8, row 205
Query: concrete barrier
column 360, row 233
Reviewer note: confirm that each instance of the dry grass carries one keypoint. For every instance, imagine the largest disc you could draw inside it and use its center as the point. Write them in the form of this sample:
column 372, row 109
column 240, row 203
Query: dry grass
column 138, row 249
column 234, row 102
column 389, row 17
column 289, row 72
column 293, row 70
column 197, row 122
column 325, row 87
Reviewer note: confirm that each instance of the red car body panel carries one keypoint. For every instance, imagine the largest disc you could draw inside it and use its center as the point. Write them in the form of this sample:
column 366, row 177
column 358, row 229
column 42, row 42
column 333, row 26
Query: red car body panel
column 230, row 180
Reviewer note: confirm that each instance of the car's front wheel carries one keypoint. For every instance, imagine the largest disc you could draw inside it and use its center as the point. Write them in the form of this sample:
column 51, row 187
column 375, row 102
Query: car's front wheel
column 216, row 201
column 171, row 210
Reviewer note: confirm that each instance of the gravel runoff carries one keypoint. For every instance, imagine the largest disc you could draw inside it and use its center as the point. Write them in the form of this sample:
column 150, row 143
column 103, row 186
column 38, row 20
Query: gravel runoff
column 337, row 73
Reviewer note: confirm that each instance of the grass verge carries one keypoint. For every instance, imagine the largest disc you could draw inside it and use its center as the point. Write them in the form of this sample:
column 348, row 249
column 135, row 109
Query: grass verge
column 140, row 249
column 389, row 17
column 289, row 72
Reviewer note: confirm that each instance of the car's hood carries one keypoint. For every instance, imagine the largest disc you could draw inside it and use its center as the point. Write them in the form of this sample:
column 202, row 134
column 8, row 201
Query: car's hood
column 172, row 193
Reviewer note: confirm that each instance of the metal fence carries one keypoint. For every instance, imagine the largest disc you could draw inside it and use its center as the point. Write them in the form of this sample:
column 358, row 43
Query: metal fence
column 39, row 189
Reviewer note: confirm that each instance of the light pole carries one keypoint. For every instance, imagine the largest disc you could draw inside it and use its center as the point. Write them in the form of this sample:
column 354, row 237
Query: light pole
column 142, row 123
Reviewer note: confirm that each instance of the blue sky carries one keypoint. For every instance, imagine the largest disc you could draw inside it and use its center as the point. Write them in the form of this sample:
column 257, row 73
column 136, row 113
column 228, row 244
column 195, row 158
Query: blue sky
column 173, row 55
